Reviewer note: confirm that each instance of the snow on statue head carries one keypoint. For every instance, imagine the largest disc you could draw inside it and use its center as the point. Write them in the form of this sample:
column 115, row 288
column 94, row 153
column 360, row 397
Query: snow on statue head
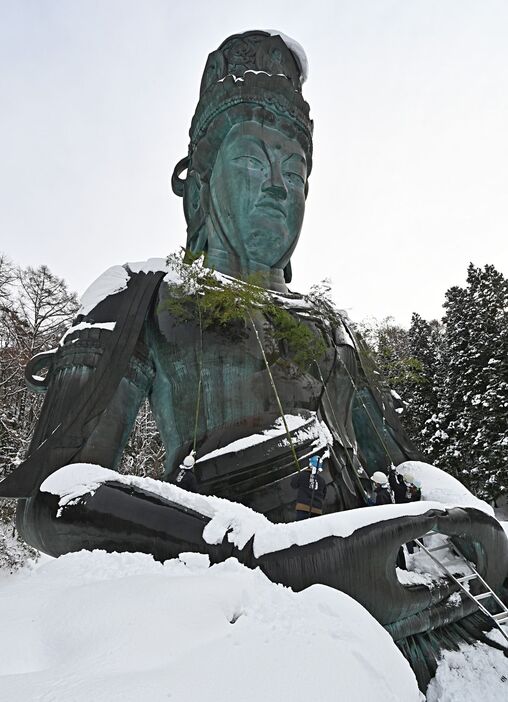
column 250, row 155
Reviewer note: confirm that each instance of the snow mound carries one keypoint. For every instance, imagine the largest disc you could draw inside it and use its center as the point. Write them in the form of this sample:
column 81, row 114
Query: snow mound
column 439, row 486
column 111, row 627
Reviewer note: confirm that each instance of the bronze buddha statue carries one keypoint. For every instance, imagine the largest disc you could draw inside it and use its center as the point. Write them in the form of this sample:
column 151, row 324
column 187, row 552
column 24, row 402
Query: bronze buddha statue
column 247, row 170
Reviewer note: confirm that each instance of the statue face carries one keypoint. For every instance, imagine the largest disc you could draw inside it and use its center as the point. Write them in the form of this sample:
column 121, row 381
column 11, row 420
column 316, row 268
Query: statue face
column 257, row 196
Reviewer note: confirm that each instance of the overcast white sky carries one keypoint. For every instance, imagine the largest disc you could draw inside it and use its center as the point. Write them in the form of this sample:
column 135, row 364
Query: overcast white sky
column 410, row 105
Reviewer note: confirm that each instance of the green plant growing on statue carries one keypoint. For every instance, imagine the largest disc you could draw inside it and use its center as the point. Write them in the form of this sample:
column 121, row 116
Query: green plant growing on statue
column 228, row 304
column 303, row 345
column 320, row 297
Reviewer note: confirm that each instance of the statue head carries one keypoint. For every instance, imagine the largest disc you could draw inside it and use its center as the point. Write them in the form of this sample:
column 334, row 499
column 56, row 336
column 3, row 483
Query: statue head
column 250, row 156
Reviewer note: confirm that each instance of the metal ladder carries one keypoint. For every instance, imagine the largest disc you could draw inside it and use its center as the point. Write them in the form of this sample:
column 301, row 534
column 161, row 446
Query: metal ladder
column 497, row 619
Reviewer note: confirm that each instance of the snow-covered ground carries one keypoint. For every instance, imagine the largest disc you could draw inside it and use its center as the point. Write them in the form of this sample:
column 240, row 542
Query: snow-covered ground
column 476, row 673
column 122, row 627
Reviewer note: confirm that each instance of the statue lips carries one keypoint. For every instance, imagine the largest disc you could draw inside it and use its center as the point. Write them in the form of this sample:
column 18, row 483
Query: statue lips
column 273, row 205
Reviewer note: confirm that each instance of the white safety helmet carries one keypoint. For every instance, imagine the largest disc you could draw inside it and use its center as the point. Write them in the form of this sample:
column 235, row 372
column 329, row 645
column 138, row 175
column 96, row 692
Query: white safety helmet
column 189, row 461
column 408, row 478
column 379, row 478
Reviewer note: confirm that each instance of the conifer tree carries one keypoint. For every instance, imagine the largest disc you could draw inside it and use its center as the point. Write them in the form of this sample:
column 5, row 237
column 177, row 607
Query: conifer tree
column 425, row 340
column 473, row 413
column 144, row 454
column 407, row 361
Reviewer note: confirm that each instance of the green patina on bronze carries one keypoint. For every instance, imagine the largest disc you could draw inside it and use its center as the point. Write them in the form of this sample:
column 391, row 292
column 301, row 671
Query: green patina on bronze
column 229, row 360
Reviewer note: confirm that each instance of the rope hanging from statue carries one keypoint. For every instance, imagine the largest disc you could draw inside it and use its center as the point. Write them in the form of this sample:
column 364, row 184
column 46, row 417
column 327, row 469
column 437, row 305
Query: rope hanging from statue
column 272, row 383
column 200, row 380
column 274, row 387
column 383, row 444
column 337, row 425
column 339, row 432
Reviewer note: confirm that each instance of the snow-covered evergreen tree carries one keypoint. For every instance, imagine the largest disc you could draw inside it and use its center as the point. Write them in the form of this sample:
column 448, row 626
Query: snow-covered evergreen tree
column 425, row 341
column 453, row 380
column 472, row 424
column 144, row 453
column 409, row 362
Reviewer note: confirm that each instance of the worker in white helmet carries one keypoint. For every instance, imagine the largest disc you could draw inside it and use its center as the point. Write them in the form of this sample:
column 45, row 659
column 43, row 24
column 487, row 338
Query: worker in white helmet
column 382, row 495
column 185, row 477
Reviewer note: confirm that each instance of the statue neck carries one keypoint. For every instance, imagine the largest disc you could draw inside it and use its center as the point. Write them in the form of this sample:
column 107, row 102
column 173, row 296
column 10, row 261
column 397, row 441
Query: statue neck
column 233, row 260
column 230, row 264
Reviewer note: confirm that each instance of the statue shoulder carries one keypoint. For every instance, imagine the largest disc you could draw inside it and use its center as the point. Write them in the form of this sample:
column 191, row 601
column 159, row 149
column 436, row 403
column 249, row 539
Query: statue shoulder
column 103, row 299
column 345, row 334
column 320, row 311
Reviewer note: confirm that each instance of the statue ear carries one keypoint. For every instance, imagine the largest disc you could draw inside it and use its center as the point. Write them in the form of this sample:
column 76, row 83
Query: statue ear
column 196, row 205
column 177, row 183
column 191, row 196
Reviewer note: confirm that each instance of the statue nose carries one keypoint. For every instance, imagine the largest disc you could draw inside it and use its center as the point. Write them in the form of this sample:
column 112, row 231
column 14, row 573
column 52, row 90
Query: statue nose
column 275, row 185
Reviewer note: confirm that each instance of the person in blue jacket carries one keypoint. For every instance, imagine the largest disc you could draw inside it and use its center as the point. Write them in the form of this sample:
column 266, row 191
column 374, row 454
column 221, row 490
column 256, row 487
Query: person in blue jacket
column 311, row 488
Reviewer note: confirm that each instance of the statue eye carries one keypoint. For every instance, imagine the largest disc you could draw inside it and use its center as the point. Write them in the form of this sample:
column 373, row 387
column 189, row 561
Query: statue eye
column 294, row 178
column 250, row 162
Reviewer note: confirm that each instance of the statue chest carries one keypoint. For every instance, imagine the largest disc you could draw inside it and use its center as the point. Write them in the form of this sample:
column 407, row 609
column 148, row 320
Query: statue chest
column 215, row 383
column 231, row 367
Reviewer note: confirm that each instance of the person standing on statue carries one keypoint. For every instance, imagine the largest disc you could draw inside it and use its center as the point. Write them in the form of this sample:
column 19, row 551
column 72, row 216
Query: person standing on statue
column 311, row 488
column 382, row 494
column 398, row 487
column 185, row 478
